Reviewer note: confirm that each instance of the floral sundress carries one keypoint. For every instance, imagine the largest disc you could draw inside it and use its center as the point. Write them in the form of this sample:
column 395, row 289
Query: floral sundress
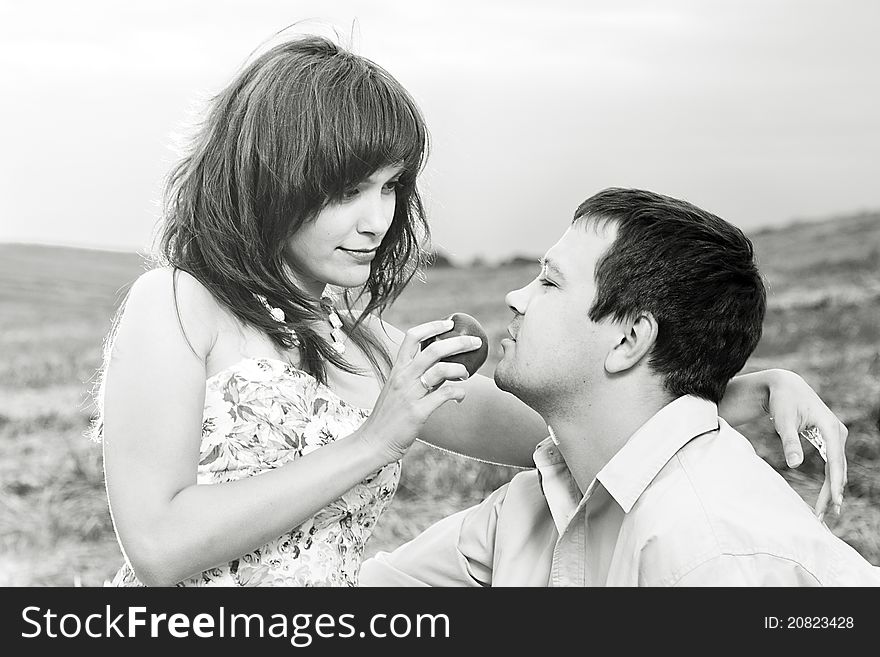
column 260, row 414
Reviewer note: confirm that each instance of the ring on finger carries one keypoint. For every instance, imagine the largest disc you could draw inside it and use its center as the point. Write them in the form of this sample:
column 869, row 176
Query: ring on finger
column 425, row 383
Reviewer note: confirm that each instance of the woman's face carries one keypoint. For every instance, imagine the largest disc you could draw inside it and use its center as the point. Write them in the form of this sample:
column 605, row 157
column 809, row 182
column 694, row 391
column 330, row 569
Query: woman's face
column 338, row 245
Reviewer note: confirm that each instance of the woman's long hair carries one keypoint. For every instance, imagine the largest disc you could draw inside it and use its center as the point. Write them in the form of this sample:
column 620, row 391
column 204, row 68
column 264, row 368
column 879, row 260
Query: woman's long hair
column 297, row 127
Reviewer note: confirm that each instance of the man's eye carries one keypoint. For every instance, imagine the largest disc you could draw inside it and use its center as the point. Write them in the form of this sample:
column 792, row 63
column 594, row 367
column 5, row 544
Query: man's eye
column 545, row 283
column 349, row 194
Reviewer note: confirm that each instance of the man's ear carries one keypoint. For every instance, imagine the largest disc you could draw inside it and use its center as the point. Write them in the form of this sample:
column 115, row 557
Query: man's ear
column 638, row 338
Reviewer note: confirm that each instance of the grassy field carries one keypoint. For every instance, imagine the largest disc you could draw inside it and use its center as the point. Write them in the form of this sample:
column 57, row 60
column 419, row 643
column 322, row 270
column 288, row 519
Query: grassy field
column 56, row 305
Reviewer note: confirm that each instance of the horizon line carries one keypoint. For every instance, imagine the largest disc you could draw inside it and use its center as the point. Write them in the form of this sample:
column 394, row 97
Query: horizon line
column 146, row 251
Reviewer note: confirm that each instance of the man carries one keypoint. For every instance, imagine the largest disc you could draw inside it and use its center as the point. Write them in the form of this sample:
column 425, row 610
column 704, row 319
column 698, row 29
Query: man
column 624, row 343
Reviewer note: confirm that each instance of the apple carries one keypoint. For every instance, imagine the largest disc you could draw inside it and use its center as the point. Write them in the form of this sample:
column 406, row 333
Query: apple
column 464, row 324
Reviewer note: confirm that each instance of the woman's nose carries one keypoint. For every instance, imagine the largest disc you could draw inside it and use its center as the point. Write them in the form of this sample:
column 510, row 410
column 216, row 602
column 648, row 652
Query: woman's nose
column 377, row 215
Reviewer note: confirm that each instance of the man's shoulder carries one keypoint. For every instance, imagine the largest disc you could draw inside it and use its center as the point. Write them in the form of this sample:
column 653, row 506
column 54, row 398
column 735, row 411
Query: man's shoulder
column 716, row 498
column 717, row 479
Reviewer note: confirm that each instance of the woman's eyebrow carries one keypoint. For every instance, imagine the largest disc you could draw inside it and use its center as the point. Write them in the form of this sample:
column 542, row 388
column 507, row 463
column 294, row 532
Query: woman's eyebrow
column 396, row 170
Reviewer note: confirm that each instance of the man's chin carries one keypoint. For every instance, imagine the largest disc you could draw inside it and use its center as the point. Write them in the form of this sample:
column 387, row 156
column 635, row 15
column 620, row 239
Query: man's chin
column 507, row 380
column 503, row 378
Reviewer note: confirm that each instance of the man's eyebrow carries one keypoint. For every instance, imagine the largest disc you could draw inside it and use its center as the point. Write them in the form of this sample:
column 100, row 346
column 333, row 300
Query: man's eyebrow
column 552, row 267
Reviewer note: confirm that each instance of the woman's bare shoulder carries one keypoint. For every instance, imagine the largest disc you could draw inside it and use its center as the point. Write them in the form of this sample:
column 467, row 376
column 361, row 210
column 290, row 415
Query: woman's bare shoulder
column 161, row 282
column 169, row 296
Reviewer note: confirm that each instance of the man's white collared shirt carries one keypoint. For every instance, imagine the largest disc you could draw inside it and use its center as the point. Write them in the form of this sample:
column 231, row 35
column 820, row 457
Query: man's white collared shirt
column 685, row 502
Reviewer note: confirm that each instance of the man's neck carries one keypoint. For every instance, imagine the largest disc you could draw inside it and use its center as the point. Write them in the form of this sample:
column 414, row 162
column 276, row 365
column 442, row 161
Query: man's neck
column 591, row 432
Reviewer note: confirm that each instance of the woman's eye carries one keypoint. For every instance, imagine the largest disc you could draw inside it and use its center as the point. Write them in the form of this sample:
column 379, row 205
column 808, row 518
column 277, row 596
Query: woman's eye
column 349, row 194
column 391, row 186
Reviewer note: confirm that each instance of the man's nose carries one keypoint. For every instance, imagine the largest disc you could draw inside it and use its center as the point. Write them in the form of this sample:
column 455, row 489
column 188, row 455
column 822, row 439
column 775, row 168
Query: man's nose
column 517, row 300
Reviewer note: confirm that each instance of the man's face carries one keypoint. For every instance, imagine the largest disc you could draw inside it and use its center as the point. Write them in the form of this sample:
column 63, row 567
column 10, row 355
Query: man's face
column 556, row 351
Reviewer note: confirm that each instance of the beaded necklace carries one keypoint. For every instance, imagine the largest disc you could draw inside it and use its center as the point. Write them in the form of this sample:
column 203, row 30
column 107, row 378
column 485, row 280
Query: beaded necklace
column 328, row 304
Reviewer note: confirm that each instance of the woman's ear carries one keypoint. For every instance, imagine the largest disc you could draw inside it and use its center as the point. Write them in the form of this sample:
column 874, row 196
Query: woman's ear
column 638, row 338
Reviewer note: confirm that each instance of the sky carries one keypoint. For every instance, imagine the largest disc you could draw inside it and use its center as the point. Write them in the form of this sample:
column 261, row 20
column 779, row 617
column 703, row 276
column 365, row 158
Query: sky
column 760, row 111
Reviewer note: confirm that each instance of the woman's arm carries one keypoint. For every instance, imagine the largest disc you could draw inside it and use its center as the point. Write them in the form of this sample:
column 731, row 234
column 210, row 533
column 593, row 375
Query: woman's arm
column 489, row 425
column 792, row 405
column 168, row 526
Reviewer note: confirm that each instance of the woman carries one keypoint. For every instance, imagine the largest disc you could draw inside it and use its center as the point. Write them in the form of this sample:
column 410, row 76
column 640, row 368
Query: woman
column 230, row 360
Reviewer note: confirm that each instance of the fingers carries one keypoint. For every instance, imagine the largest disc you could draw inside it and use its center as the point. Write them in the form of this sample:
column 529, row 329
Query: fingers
column 440, row 349
column 834, row 434
column 418, row 334
column 442, row 372
column 791, row 442
column 445, row 393
column 824, row 497
column 416, row 378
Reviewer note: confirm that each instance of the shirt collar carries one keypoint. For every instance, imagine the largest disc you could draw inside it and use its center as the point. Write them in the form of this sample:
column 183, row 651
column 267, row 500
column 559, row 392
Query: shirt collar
column 546, row 453
column 560, row 490
column 633, row 468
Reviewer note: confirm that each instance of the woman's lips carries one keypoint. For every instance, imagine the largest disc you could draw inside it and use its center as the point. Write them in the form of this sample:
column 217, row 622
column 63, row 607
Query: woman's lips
column 360, row 255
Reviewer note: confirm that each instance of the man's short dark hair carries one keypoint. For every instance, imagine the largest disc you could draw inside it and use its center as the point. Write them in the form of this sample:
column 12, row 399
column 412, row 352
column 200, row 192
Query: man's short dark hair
column 695, row 273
